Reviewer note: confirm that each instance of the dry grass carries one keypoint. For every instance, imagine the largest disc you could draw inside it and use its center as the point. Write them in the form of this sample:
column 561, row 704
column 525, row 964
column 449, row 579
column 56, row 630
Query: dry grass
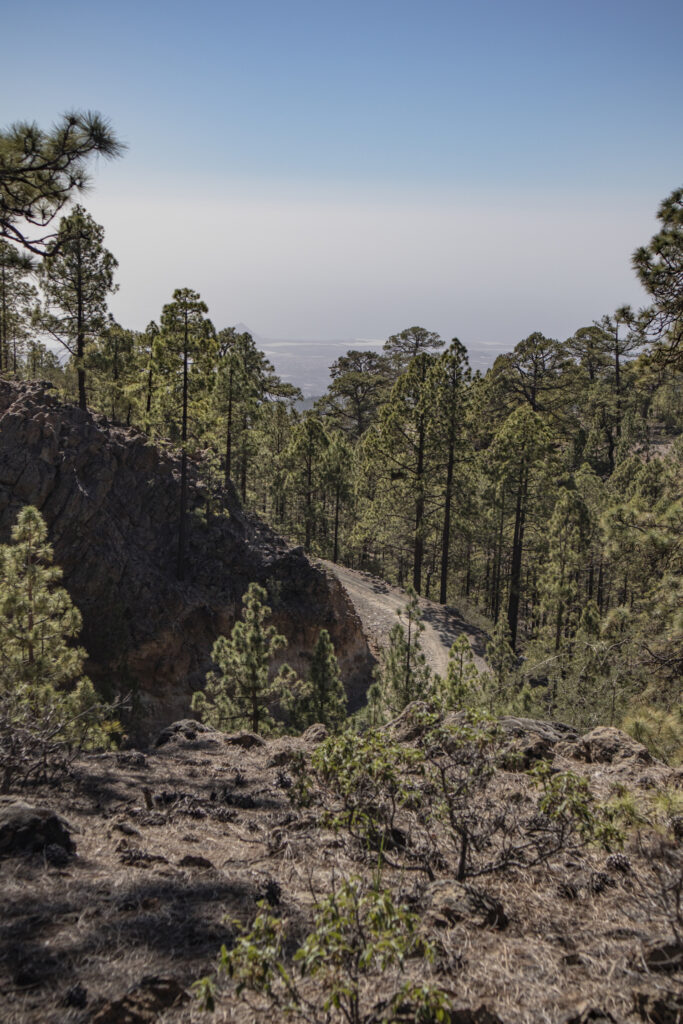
column 125, row 907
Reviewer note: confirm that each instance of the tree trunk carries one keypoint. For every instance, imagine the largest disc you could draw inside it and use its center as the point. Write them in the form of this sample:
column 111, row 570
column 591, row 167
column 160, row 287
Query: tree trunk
column 243, row 466
column 228, row 433
column 150, row 380
column 180, row 571
column 497, row 563
column 418, row 549
column 309, row 501
column 516, row 564
column 3, row 321
column 446, row 534
column 335, row 548
column 80, row 335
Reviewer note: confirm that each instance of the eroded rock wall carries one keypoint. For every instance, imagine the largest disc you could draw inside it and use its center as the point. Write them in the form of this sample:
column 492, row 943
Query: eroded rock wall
column 110, row 500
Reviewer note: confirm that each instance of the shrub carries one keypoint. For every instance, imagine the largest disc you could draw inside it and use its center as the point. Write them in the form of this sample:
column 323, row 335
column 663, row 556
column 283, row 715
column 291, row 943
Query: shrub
column 434, row 807
column 355, row 934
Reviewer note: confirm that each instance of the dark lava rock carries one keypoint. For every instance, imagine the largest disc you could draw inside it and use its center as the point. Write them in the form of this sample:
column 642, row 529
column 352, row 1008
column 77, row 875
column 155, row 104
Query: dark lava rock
column 664, row 956
column 131, row 759
column 28, row 829
column 56, row 856
column 143, row 1004
column 76, row 996
column 660, row 1008
column 244, row 739
column 192, row 861
column 607, row 745
column 586, row 1014
column 184, row 729
column 111, row 502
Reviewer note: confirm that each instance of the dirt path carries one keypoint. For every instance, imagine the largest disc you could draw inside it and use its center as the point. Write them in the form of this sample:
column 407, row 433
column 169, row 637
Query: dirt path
column 377, row 604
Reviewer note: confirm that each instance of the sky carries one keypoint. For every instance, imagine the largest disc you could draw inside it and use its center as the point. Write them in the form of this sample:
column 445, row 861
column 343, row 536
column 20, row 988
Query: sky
column 332, row 171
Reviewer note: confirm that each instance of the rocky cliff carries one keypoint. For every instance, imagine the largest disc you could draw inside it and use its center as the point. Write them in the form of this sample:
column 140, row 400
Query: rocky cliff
column 110, row 500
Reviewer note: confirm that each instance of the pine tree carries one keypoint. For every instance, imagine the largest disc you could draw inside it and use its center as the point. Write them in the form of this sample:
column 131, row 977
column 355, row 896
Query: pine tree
column 17, row 297
column 37, row 619
column 184, row 353
column 501, row 658
column 462, row 685
column 76, row 276
column 400, row 349
column 358, row 386
column 337, row 482
column 41, row 171
column 45, row 701
column 246, row 382
column 659, row 265
column 114, row 363
column 241, row 694
column 403, row 674
column 322, row 697
column 520, row 451
column 568, row 534
column 403, row 451
column 450, row 376
column 306, row 464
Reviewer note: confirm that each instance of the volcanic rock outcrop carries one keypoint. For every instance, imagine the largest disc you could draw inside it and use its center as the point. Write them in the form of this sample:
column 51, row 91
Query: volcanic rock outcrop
column 110, row 499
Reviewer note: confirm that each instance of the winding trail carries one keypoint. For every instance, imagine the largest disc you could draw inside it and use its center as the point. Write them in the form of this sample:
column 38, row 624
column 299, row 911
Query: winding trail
column 377, row 604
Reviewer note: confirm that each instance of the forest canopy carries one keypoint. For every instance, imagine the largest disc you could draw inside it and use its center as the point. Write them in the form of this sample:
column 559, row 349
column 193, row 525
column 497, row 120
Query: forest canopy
column 545, row 494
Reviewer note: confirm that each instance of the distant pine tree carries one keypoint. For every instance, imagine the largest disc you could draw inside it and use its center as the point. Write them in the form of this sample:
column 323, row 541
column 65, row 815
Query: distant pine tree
column 403, row 674
column 462, row 686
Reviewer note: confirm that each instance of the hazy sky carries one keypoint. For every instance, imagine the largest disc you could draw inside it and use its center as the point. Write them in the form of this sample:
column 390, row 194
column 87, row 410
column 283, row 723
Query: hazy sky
column 336, row 170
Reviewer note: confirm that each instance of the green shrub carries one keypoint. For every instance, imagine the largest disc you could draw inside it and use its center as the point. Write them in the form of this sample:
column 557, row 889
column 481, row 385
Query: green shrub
column 356, row 933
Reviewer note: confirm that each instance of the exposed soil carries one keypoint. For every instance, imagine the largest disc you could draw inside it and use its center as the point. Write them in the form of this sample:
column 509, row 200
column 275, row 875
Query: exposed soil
column 378, row 603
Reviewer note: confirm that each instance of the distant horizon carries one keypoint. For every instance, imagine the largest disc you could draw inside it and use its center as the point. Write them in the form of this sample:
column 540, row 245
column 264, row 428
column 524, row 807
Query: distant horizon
column 346, row 171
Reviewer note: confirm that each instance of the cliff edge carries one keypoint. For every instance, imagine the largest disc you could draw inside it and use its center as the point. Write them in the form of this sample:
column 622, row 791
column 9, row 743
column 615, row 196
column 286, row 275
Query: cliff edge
column 110, row 499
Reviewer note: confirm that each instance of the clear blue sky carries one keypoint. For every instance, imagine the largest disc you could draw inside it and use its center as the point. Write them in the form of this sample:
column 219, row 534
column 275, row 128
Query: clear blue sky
column 346, row 169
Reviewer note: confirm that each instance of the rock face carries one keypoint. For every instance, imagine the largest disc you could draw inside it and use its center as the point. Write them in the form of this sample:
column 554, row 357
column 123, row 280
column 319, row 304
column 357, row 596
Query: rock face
column 110, row 500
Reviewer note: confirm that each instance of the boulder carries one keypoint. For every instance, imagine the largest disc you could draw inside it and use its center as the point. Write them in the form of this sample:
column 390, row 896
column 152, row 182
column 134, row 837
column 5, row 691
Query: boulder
column 607, row 745
column 550, row 732
column 244, row 739
column 185, row 729
column 315, row 734
column 28, row 829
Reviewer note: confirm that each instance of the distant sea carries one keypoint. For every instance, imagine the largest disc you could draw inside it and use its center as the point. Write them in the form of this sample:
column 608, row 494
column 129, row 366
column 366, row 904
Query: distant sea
column 307, row 363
